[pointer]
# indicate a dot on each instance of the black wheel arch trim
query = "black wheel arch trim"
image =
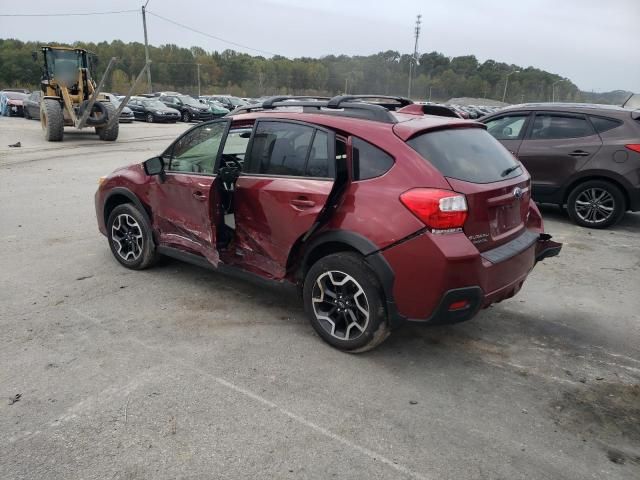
(125, 192)
(373, 258)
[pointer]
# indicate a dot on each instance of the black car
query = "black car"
(189, 107)
(126, 115)
(152, 110)
(31, 105)
(229, 101)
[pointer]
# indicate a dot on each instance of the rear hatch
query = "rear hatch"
(496, 186)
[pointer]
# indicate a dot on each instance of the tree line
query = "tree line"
(436, 76)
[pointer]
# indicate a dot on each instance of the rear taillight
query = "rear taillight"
(440, 210)
(634, 146)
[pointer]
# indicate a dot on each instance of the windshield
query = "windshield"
(63, 65)
(154, 104)
(190, 101)
(467, 154)
(237, 102)
(15, 95)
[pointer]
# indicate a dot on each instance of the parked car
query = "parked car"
(126, 115)
(380, 217)
(31, 105)
(19, 90)
(229, 101)
(586, 157)
(189, 108)
(217, 109)
(152, 110)
(11, 103)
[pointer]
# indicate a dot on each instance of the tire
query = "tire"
(596, 204)
(130, 238)
(357, 292)
(25, 113)
(149, 117)
(186, 117)
(109, 134)
(102, 109)
(52, 120)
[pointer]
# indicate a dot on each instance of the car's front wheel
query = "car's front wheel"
(130, 237)
(596, 204)
(186, 117)
(149, 118)
(344, 302)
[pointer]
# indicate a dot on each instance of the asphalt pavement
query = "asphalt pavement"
(182, 373)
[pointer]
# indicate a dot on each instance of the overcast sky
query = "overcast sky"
(595, 43)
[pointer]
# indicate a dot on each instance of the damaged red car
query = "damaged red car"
(380, 214)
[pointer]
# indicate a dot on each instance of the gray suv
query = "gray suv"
(584, 156)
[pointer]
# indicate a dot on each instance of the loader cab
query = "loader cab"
(63, 64)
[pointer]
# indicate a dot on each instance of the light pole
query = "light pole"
(553, 88)
(146, 45)
(198, 79)
(506, 83)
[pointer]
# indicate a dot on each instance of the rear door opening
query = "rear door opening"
(286, 180)
(496, 186)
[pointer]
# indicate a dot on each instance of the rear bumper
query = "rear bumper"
(634, 199)
(439, 279)
(165, 118)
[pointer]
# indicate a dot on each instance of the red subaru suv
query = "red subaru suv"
(379, 213)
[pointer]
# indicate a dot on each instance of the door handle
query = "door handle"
(579, 153)
(199, 196)
(302, 203)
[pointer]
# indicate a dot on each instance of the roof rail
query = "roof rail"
(337, 101)
(341, 105)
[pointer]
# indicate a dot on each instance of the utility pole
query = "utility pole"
(346, 84)
(506, 83)
(553, 88)
(414, 58)
(146, 45)
(198, 65)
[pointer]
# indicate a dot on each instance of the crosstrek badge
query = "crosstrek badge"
(479, 238)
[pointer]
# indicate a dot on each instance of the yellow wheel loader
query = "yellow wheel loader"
(70, 96)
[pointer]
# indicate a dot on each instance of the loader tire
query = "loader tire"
(109, 134)
(52, 120)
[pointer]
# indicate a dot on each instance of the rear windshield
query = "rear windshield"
(468, 154)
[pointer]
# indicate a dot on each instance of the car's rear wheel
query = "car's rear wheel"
(130, 237)
(344, 302)
(596, 204)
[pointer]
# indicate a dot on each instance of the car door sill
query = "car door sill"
(237, 272)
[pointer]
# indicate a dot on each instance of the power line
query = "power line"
(211, 36)
(64, 14)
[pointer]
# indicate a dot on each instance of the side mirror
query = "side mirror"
(154, 166)
(507, 132)
(34, 55)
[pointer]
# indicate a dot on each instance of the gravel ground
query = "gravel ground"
(182, 373)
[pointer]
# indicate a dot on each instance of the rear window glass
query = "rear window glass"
(368, 161)
(468, 154)
(555, 127)
(602, 124)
